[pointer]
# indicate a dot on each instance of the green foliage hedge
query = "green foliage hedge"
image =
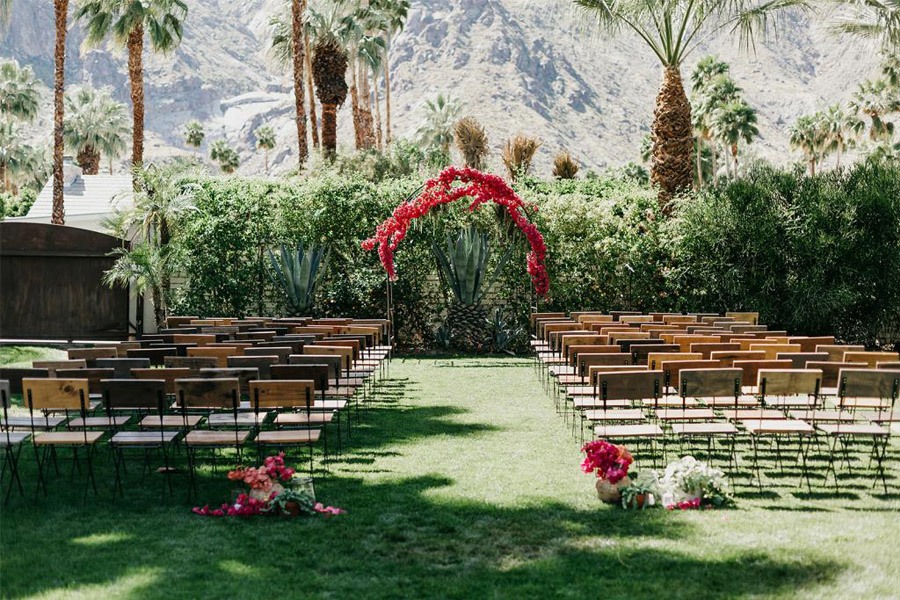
(813, 255)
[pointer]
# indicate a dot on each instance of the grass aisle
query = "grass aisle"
(461, 482)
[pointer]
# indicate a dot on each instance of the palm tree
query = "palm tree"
(371, 49)
(710, 88)
(5, 13)
(732, 123)
(194, 134)
(126, 21)
(97, 125)
(393, 13)
(10, 152)
(20, 91)
(874, 20)
(842, 127)
(61, 12)
(436, 130)
(472, 142)
(281, 52)
(265, 139)
(162, 197)
(672, 30)
(329, 65)
(225, 155)
(809, 136)
(876, 99)
(298, 62)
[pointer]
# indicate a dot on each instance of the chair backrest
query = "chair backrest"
(220, 353)
(53, 366)
(616, 336)
(869, 383)
(687, 340)
(243, 374)
(354, 345)
(134, 394)
(640, 353)
(316, 372)
(281, 348)
(871, 358)
(262, 364)
(534, 317)
(752, 367)
(578, 340)
(92, 375)
(728, 357)
(655, 359)
(15, 375)
(630, 385)
(56, 394)
(334, 362)
(4, 396)
(90, 355)
(671, 368)
(789, 382)
(284, 393)
(345, 353)
(208, 393)
(200, 339)
(122, 366)
(600, 359)
(894, 366)
(194, 363)
(707, 348)
(157, 355)
(746, 317)
(169, 375)
(636, 319)
(772, 349)
(831, 370)
(836, 352)
(799, 359)
(256, 334)
(574, 351)
(809, 344)
(709, 383)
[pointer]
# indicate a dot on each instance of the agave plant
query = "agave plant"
(298, 272)
(464, 268)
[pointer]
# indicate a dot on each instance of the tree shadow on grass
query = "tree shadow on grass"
(400, 538)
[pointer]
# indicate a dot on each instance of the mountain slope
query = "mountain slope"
(518, 65)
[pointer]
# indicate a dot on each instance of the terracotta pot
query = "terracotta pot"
(611, 492)
(639, 500)
(292, 508)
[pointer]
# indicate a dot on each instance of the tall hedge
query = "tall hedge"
(813, 255)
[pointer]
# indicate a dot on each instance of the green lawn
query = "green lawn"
(22, 356)
(461, 482)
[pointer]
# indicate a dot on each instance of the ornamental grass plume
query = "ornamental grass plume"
(518, 154)
(564, 166)
(472, 142)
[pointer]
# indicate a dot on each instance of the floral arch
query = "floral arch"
(482, 188)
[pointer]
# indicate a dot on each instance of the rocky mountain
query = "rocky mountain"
(535, 66)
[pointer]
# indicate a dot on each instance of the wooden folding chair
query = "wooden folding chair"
(286, 394)
(636, 387)
(262, 364)
(879, 385)
(147, 398)
(209, 394)
(67, 396)
(122, 366)
(193, 363)
(713, 387)
(53, 366)
(12, 442)
(220, 353)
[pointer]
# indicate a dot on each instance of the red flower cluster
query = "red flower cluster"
(244, 506)
(692, 504)
(609, 461)
(261, 478)
(481, 187)
(328, 511)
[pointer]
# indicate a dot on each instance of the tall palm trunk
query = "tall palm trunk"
(699, 155)
(379, 138)
(297, 46)
(329, 130)
(387, 99)
(365, 103)
(840, 148)
(89, 160)
(310, 91)
(715, 161)
(354, 106)
(734, 156)
(61, 11)
(671, 169)
(135, 46)
(812, 167)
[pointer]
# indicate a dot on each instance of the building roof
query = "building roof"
(87, 195)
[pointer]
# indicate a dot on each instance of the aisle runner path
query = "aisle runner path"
(475, 411)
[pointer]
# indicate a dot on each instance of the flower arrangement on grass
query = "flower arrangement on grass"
(687, 483)
(482, 188)
(268, 494)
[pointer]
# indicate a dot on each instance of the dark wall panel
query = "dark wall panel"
(51, 284)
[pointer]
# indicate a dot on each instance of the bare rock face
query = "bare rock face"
(517, 65)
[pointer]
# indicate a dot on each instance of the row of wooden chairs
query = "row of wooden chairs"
(690, 385)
